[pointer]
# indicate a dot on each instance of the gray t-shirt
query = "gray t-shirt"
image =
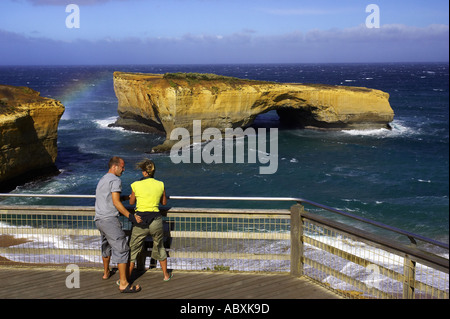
(104, 207)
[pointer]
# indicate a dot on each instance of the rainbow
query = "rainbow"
(81, 89)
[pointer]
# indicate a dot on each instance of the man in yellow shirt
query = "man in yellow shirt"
(148, 193)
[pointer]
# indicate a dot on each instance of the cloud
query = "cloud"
(390, 43)
(392, 32)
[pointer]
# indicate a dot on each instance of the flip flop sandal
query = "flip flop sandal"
(111, 272)
(109, 276)
(130, 289)
(171, 275)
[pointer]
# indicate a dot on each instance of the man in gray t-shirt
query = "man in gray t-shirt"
(108, 205)
(104, 206)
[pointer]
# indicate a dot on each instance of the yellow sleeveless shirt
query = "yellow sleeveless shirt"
(148, 194)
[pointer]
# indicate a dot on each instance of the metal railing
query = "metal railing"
(354, 262)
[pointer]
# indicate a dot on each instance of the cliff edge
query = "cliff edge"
(28, 135)
(156, 102)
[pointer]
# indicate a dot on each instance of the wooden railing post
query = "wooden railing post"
(409, 277)
(296, 240)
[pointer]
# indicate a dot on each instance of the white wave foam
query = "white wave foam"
(398, 129)
(376, 257)
(37, 240)
(104, 123)
(6, 225)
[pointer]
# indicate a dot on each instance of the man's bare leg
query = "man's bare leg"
(106, 270)
(130, 269)
(123, 274)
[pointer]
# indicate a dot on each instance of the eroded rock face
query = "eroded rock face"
(28, 134)
(155, 102)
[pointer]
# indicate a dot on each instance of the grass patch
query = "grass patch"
(197, 78)
(219, 268)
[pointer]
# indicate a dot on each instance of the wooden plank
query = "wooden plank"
(171, 212)
(174, 234)
(18, 231)
(206, 280)
(227, 285)
(285, 288)
(50, 284)
(228, 255)
(264, 285)
(173, 253)
(244, 288)
(230, 235)
(185, 282)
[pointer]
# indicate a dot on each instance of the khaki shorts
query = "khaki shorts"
(138, 234)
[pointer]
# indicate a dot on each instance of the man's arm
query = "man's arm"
(118, 204)
(132, 198)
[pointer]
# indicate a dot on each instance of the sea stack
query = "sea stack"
(157, 102)
(28, 135)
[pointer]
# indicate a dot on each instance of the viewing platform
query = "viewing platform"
(223, 253)
(37, 283)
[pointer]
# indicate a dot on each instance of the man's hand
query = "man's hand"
(135, 219)
(138, 218)
(117, 201)
(118, 204)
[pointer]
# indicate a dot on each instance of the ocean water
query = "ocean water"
(399, 177)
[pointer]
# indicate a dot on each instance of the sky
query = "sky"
(48, 32)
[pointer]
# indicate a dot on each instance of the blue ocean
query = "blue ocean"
(399, 177)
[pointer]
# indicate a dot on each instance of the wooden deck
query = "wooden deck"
(42, 283)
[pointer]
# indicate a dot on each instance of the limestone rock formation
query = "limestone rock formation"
(156, 102)
(28, 134)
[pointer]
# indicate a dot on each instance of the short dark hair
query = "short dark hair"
(115, 160)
